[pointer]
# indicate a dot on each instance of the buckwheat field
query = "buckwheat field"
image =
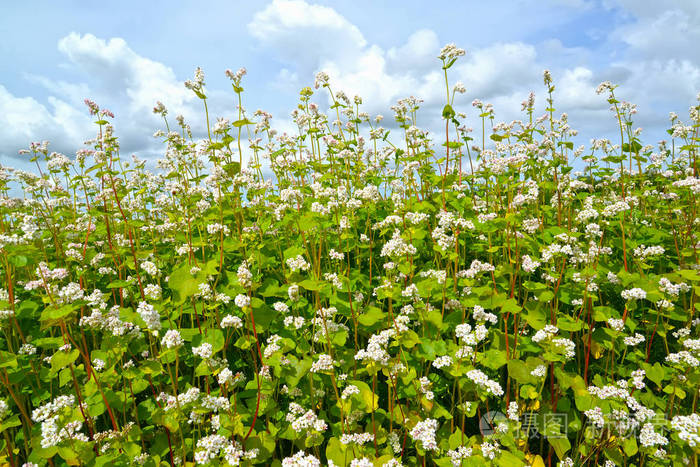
(349, 296)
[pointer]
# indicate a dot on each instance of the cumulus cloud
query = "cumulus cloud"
(649, 50)
(659, 67)
(116, 77)
(303, 33)
(502, 73)
(114, 66)
(659, 30)
(634, 54)
(24, 119)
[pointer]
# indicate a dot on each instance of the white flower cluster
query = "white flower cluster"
(171, 402)
(539, 372)
(216, 228)
(245, 277)
(50, 409)
(439, 276)
(4, 408)
(356, 438)
(616, 324)
(149, 315)
(475, 268)
(294, 321)
(529, 265)
(300, 459)
(648, 437)
(304, 420)
(70, 293)
(225, 377)
(456, 455)
(481, 380)
(683, 357)
(109, 321)
(52, 434)
(425, 385)
(634, 294)
(469, 338)
(615, 208)
(324, 363)
(568, 346)
(638, 379)
(513, 413)
(443, 361)
(298, 264)
(672, 289)
(214, 404)
(490, 450)
(688, 428)
(425, 433)
(241, 300)
(397, 247)
(98, 364)
(376, 348)
(634, 340)
(451, 52)
(481, 315)
(152, 291)
(643, 252)
(172, 339)
(293, 292)
(204, 351)
(336, 255)
(230, 321)
(349, 391)
(150, 268)
(531, 225)
(210, 448)
(595, 415)
(6, 314)
(544, 333)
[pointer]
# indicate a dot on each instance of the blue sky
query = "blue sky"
(55, 54)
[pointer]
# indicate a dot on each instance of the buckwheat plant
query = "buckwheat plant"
(347, 295)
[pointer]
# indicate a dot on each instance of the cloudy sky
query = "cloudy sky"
(55, 54)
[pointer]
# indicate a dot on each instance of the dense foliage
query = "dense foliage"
(350, 298)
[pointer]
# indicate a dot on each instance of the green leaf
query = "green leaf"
(448, 112)
(493, 359)
(19, 260)
(240, 123)
(560, 444)
(371, 316)
(62, 359)
(339, 452)
(507, 459)
(182, 283)
(370, 400)
(52, 315)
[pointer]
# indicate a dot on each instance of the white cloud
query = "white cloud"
(117, 68)
(667, 34)
(651, 53)
(303, 33)
(499, 69)
(24, 119)
(502, 73)
(117, 78)
(417, 54)
(660, 66)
